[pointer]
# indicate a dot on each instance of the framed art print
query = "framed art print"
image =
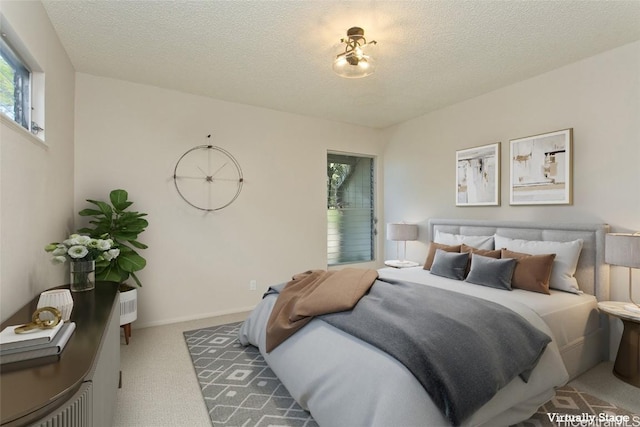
(478, 176)
(541, 169)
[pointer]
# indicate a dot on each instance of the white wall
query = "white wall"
(598, 97)
(36, 181)
(130, 136)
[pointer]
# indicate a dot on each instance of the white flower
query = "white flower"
(58, 259)
(78, 251)
(83, 240)
(111, 254)
(82, 247)
(59, 250)
(104, 245)
(72, 240)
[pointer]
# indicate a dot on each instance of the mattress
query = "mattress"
(570, 317)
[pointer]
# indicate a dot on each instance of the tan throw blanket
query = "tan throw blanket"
(313, 293)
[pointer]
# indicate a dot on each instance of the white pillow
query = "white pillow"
(564, 264)
(478, 242)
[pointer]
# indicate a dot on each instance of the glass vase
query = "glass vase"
(83, 275)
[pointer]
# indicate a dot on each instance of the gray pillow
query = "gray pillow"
(449, 264)
(495, 273)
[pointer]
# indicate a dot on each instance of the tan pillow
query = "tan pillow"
(432, 252)
(532, 272)
(491, 253)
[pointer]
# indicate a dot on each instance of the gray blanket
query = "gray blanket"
(462, 349)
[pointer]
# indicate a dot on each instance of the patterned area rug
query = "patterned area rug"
(569, 401)
(239, 389)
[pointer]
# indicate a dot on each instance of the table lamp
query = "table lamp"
(401, 233)
(624, 250)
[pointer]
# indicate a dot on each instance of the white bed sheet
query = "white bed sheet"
(345, 381)
(570, 317)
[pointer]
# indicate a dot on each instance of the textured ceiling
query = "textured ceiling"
(278, 54)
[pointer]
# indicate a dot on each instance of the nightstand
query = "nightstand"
(627, 366)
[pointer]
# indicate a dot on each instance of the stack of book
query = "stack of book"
(34, 344)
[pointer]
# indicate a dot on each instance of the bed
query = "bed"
(343, 380)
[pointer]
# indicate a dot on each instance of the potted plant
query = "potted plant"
(114, 221)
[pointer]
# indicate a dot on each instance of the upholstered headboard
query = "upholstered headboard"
(592, 272)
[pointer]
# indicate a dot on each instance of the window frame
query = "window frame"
(32, 122)
(372, 212)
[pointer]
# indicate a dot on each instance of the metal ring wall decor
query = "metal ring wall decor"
(208, 178)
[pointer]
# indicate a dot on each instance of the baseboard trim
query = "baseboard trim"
(141, 325)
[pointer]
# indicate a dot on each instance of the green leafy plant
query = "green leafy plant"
(113, 221)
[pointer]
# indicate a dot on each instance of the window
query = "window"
(22, 83)
(350, 209)
(14, 86)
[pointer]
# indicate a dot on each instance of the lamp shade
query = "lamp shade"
(402, 232)
(357, 68)
(622, 249)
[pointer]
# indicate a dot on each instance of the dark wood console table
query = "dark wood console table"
(79, 388)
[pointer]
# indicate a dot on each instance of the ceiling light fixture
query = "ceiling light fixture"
(354, 62)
